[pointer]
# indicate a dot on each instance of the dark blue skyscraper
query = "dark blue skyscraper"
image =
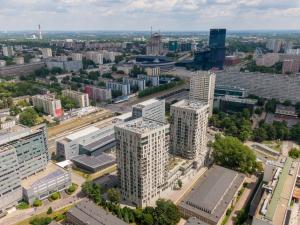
(217, 39)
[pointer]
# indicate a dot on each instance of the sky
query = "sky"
(165, 15)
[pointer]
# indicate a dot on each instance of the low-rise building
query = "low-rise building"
(81, 99)
(43, 184)
(233, 104)
(88, 213)
(286, 110)
(213, 194)
(49, 104)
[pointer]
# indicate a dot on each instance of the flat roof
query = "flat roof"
(195, 221)
(213, 193)
(82, 133)
(146, 103)
(94, 161)
(190, 104)
(141, 125)
(42, 177)
(89, 213)
(14, 133)
(100, 143)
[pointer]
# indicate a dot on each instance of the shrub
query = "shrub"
(55, 196)
(37, 203)
(23, 205)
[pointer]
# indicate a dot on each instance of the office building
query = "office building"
(152, 109)
(88, 213)
(10, 183)
(8, 51)
(42, 184)
(97, 93)
(135, 83)
(189, 121)
(222, 90)
(81, 99)
(173, 46)
(23, 153)
(142, 156)
(115, 86)
(48, 104)
(290, 66)
(214, 193)
(155, 45)
(46, 52)
(96, 57)
(76, 56)
(285, 87)
(231, 104)
(217, 48)
(202, 88)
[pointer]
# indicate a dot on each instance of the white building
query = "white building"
(189, 121)
(8, 51)
(142, 156)
(49, 104)
(46, 52)
(96, 57)
(153, 109)
(76, 56)
(202, 88)
(81, 99)
(2, 63)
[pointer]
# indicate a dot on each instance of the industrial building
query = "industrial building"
(142, 156)
(48, 103)
(81, 99)
(213, 194)
(189, 121)
(153, 109)
(88, 213)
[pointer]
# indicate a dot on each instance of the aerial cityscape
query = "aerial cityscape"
(170, 112)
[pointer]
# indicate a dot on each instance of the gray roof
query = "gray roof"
(195, 221)
(89, 213)
(213, 193)
(100, 143)
(94, 161)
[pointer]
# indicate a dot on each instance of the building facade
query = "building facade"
(81, 99)
(202, 88)
(142, 156)
(46, 52)
(189, 121)
(155, 45)
(97, 93)
(49, 104)
(152, 109)
(115, 86)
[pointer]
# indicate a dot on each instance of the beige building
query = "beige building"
(76, 56)
(49, 104)
(46, 52)
(82, 99)
(19, 60)
(202, 88)
(153, 71)
(189, 120)
(96, 57)
(142, 156)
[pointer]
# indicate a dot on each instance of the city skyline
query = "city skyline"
(168, 15)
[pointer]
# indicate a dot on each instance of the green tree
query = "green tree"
(37, 203)
(179, 183)
(166, 213)
(113, 195)
(40, 221)
(68, 103)
(49, 211)
(56, 70)
(233, 154)
(294, 153)
(29, 117)
(295, 132)
(55, 196)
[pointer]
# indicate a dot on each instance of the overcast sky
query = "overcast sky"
(166, 15)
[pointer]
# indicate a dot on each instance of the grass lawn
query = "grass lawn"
(54, 214)
(276, 145)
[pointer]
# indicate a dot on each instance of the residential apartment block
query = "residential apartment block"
(202, 88)
(142, 156)
(189, 120)
(49, 104)
(46, 52)
(81, 99)
(153, 109)
(115, 86)
(97, 93)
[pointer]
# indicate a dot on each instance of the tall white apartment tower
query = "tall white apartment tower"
(142, 156)
(189, 120)
(153, 109)
(202, 88)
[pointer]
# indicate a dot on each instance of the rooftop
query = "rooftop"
(82, 133)
(92, 214)
(141, 125)
(190, 104)
(146, 103)
(213, 193)
(14, 133)
(94, 162)
(239, 100)
(51, 171)
(195, 221)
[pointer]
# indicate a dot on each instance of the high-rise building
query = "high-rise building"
(96, 57)
(115, 86)
(189, 121)
(8, 51)
(49, 104)
(274, 45)
(81, 99)
(155, 45)
(202, 88)
(76, 56)
(152, 109)
(23, 153)
(142, 156)
(46, 52)
(217, 39)
(97, 93)
(290, 66)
